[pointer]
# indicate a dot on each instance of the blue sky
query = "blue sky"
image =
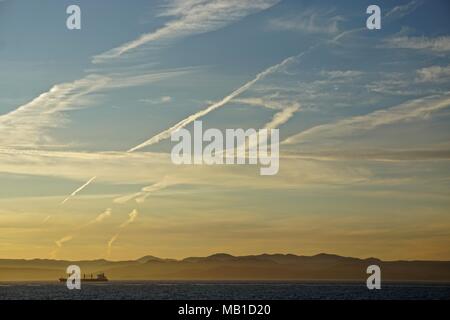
(363, 116)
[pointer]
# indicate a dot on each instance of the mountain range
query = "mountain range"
(223, 266)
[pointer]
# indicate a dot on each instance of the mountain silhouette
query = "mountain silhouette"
(222, 266)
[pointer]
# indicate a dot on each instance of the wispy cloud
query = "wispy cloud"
(59, 243)
(340, 74)
(282, 117)
(191, 17)
(131, 217)
(286, 109)
(404, 10)
(161, 100)
(308, 21)
(181, 124)
(410, 110)
(110, 169)
(64, 239)
(111, 242)
(78, 190)
(24, 124)
(194, 17)
(382, 155)
(102, 216)
(145, 192)
(434, 74)
(435, 45)
(27, 124)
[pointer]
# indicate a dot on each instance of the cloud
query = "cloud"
(111, 242)
(435, 45)
(181, 124)
(286, 109)
(385, 155)
(59, 243)
(102, 216)
(194, 16)
(161, 100)
(403, 10)
(295, 171)
(433, 74)
(25, 126)
(394, 84)
(78, 190)
(80, 165)
(341, 74)
(131, 217)
(191, 17)
(309, 21)
(145, 192)
(410, 110)
(64, 239)
(166, 99)
(411, 82)
(166, 133)
(282, 117)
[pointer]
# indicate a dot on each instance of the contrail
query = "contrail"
(111, 242)
(166, 133)
(131, 217)
(190, 18)
(406, 111)
(79, 189)
(145, 192)
(59, 243)
(101, 217)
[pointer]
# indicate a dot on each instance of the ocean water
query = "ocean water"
(182, 290)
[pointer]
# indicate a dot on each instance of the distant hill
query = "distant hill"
(227, 267)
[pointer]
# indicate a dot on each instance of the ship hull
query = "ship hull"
(84, 280)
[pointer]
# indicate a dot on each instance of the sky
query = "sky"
(86, 117)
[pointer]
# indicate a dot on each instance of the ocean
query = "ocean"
(222, 290)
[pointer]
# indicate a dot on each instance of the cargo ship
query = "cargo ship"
(99, 278)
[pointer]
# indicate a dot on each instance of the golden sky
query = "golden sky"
(86, 118)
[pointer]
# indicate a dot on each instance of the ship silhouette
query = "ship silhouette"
(99, 278)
